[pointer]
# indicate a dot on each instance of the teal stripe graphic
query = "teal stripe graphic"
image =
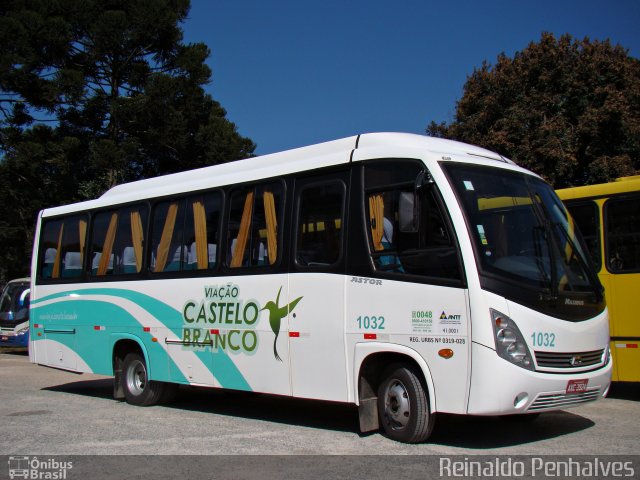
(97, 353)
(218, 362)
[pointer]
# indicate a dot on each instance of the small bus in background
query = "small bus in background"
(608, 216)
(14, 313)
(404, 274)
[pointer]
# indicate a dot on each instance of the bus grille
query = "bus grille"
(9, 323)
(569, 360)
(562, 400)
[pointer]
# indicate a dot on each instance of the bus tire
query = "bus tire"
(138, 389)
(403, 405)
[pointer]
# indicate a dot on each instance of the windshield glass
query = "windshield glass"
(524, 237)
(14, 303)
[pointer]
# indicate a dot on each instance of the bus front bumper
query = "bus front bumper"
(10, 339)
(501, 388)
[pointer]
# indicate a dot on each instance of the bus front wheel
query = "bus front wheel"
(403, 405)
(138, 389)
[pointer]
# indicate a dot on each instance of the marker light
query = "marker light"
(510, 343)
(446, 353)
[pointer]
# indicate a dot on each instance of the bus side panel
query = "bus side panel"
(74, 329)
(228, 332)
(625, 345)
(316, 336)
(33, 357)
(425, 318)
(201, 331)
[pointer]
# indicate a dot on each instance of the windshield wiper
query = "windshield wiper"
(538, 239)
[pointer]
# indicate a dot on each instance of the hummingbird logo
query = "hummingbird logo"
(276, 314)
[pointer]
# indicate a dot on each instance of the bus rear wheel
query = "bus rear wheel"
(403, 405)
(138, 389)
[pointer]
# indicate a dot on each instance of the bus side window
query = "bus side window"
(63, 245)
(622, 220)
(117, 241)
(320, 220)
(201, 231)
(167, 250)
(185, 233)
(430, 250)
(254, 218)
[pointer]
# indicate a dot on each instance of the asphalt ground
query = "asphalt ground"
(50, 412)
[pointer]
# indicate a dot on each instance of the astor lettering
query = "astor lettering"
(370, 281)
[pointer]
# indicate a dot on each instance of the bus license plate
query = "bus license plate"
(4, 339)
(577, 386)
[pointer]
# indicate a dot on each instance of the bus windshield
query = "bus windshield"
(524, 237)
(14, 303)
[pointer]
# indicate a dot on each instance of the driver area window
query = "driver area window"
(426, 247)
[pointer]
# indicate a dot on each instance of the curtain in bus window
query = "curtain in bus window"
(82, 227)
(376, 215)
(243, 233)
(137, 237)
(56, 263)
(200, 227)
(270, 217)
(107, 249)
(165, 239)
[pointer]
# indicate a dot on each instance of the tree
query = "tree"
(566, 109)
(95, 93)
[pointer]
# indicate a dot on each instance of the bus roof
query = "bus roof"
(618, 186)
(277, 164)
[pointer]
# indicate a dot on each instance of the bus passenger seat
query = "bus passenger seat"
(129, 264)
(72, 264)
(192, 262)
(49, 259)
(212, 249)
(181, 254)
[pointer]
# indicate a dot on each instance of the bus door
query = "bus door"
(622, 247)
(315, 303)
(412, 301)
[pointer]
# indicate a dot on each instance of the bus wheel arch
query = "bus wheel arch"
(377, 370)
(121, 349)
(132, 379)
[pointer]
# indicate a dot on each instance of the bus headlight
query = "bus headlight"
(607, 355)
(510, 343)
(22, 331)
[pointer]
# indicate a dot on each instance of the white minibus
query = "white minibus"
(405, 274)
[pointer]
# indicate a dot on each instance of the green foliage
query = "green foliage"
(95, 93)
(566, 109)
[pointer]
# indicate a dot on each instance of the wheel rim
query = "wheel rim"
(397, 407)
(136, 377)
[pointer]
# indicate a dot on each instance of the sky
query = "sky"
(296, 73)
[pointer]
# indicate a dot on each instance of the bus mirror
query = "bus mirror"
(408, 213)
(423, 179)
